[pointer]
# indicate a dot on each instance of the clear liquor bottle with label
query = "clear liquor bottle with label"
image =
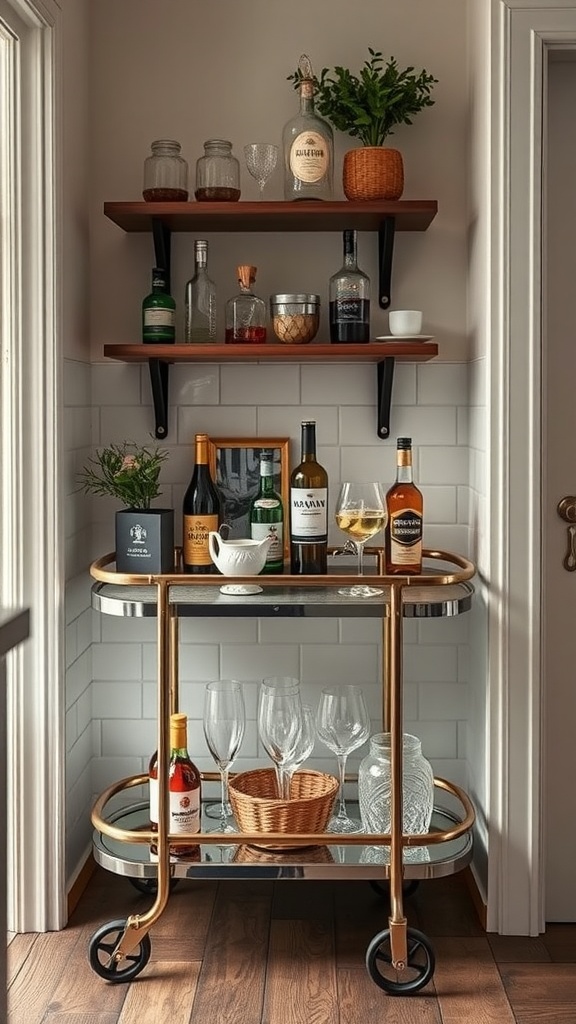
(201, 513)
(405, 506)
(184, 790)
(308, 145)
(159, 312)
(308, 510)
(267, 515)
(349, 292)
(245, 312)
(200, 300)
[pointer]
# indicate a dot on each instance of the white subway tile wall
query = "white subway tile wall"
(430, 403)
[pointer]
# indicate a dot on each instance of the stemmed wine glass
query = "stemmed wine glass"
(224, 722)
(343, 724)
(305, 743)
(280, 725)
(261, 159)
(361, 513)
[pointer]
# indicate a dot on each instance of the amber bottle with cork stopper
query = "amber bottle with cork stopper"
(184, 790)
(405, 507)
(245, 312)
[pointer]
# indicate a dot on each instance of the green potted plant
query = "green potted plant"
(367, 107)
(130, 473)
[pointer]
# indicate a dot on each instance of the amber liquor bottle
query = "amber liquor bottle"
(405, 507)
(184, 790)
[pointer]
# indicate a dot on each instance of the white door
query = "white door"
(559, 480)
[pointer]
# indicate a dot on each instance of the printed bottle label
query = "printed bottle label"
(195, 539)
(185, 812)
(347, 310)
(159, 316)
(153, 796)
(308, 515)
(405, 537)
(309, 157)
(259, 531)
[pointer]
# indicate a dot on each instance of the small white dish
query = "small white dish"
(404, 337)
(240, 589)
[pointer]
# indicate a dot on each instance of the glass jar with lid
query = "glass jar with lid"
(375, 786)
(165, 173)
(217, 173)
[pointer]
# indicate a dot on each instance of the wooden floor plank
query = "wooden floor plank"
(444, 907)
(93, 1017)
(560, 941)
(518, 949)
(360, 1000)
(468, 984)
(292, 900)
(234, 968)
(17, 953)
(165, 993)
(33, 986)
(301, 979)
(543, 992)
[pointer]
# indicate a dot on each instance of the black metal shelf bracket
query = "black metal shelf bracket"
(385, 377)
(159, 368)
(385, 252)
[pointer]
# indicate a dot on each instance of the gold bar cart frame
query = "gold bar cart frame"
(138, 925)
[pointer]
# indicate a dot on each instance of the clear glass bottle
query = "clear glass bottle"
(165, 174)
(245, 312)
(375, 786)
(200, 300)
(158, 312)
(349, 293)
(267, 514)
(405, 507)
(217, 173)
(308, 145)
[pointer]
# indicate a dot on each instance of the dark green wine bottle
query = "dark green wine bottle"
(159, 312)
(267, 515)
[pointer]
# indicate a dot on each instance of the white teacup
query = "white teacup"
(405, 323)
(238, 557)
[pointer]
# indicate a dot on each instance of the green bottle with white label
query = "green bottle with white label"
(267, 515)
(159, 312)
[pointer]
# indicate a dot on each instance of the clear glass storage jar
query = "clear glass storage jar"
(375, 786)
(217, 173)
(165, 173)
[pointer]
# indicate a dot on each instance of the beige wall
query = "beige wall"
(192, 71)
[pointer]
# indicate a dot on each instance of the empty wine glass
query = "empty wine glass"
(261, 159)
(361, 513)
(343, 724)
(305, 743)
(224, 722)
(280, 724)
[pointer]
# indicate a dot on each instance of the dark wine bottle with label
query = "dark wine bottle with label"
(159, 312)
(201, 513)
(349, 291)
(308, 510)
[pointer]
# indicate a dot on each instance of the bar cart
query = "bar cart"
(399, 959)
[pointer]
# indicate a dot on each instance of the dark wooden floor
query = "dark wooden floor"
(289, 953)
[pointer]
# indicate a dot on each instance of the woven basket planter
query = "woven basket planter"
(373, 172)
(257, 809)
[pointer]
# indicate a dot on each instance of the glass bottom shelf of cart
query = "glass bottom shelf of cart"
(320, 862)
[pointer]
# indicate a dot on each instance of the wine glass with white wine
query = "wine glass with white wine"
(361, 513)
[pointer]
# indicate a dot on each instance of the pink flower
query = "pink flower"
(129, 462)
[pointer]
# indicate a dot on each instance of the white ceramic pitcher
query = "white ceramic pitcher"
(238, 557)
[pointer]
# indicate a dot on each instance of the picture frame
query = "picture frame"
(235, 469)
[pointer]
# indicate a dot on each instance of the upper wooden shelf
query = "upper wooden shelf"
(372, 352)
(409, 215)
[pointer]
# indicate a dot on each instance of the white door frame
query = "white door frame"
(32, 511)
(521, 32)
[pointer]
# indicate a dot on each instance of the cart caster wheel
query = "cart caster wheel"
(149, 886)
(419, 968)
(383, 888)
(102, 945)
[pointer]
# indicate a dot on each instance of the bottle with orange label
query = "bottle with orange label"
(405, 507)
(184, 790)
(201, 513)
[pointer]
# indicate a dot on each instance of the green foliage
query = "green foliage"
(125, 471)
(369, 105)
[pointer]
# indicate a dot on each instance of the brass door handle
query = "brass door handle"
(566, 509)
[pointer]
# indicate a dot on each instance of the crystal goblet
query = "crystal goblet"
(261, 159)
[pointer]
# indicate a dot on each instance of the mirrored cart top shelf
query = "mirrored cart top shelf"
(371, 352)
(409, 215)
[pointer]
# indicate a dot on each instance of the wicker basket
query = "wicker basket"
(284, 858)
(373, 172)
(257, 809)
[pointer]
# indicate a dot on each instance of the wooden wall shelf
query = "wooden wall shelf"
(373, 352)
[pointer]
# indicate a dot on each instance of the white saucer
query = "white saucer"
(404, 337)
(240, 589)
